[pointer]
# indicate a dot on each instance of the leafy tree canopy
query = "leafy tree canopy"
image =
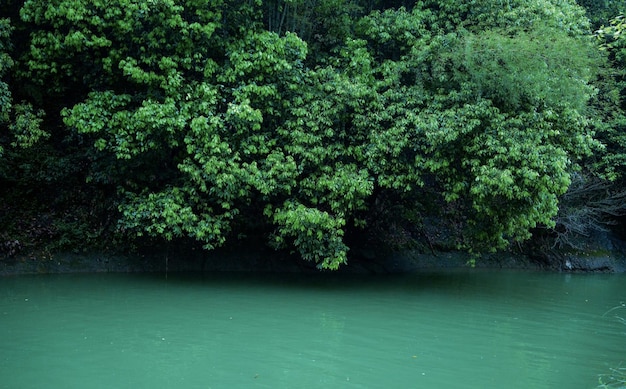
(20, 123)
(209, 116)
(610, 103)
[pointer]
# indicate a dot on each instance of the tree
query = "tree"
(5, 63)
(21, 120)
(206, 121)
(610, 105)
(484, 111)
(595, 200)
(600, 12)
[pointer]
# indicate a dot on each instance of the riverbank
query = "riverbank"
(606, 255)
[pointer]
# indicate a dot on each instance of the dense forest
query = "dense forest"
(311, 126)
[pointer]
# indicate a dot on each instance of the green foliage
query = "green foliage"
(610, 104)
(26, 127)
(491, 116)
(95, 44)
(6, 62)
(170, 214)
(207, 145)
(513, 16)
(315, 234)
(324, 24)
(23, 122)
(611, 37)
(288, 115)
(601, 11)
(515, 72)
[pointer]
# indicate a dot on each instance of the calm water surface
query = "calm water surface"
(465, 329)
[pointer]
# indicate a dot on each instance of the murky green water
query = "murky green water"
(468, 329)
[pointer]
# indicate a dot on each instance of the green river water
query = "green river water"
(461, 329)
